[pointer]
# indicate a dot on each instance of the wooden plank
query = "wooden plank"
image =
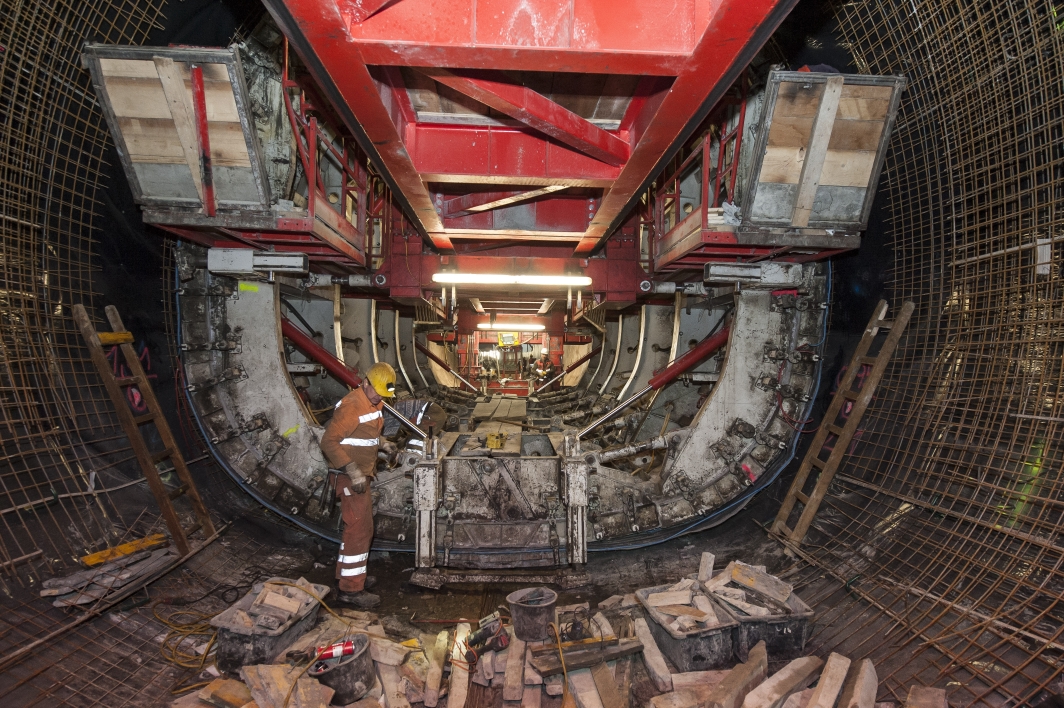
(768, 585)
(655, 662)
(848, 168)
(437, 654)
(608, 690)
(856, 135)
(815, 153)
(705, 567)
(790, 131)
(226, 693)
(134, 68)
(862, 683)
(387, 652)
(721, 579)
(514, 683)
(791, 678)
(831, 680)
(179, 101)
(582, 687)
(136, 97)
(782, 165)
(703, 603)
(458, 687)
(691, 679)
(681, 611)
(863, 109)
(532, 697)
(228, 147)
(394, 695)
(152, 140)
(882, 93)
(269, 684)
(532, 677)
(796, 98)
(549, 665)
(678, 597)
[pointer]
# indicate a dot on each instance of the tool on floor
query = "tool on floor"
(491, 636)
(131, 423)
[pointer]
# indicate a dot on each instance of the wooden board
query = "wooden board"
(768, 585)
(655, 662)
(813, 165)
(678, 597)
(549, 665)
(681, 611)
(582, 688)
(513, 687)
(608, 691)
(459, 684)
(394, 695)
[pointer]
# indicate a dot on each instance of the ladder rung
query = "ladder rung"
(885, 324)
(782, 529)
(850, 394)
(162, 455)
(802, 497)
(127, 380)
(142, 419)
(817, 462)
(193, 529)
(834, 430)
(869, 360)
(175, 493)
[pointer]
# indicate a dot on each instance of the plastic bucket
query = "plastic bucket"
(532, 611)
(350, 676)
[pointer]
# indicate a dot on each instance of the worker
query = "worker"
(351, 440)
(544, 366)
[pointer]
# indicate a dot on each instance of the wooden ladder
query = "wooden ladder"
(131, 424)
(860, 399)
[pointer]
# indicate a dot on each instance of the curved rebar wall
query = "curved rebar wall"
(943, 531)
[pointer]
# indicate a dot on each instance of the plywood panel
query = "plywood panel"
(856, 135)
(152, 140)
(136, 68)
(882, 93)
(228, 146)
(848, 168)
(782, 165)
(862, 109)
(137, 97)
(790, 131)
(796, 100)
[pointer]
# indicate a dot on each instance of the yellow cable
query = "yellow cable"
(567, 700)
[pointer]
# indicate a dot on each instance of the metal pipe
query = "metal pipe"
(638, 350)
(616, 353)
(685, 363)
(413, 343)
(399, 354)
(444, 364)
(571, 367)
(659, 443)
(373, 329)
(335, 367)
(670, 288)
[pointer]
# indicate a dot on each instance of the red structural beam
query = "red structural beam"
(735, 33)
(537, 112)
(199, 108)
(487, 201)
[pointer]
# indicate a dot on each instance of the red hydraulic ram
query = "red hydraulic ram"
(673, 371)
(334, 366)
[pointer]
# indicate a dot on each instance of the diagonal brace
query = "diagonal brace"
(538, 112)
(488, 201)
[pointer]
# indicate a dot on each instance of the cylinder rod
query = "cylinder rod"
(336, 367)
(679, 367)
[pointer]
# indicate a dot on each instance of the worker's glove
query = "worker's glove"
(388, 447)
(359, 481)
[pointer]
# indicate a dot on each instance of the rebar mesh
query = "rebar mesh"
(941, 536)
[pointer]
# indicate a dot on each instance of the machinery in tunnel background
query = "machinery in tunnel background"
(950, 458)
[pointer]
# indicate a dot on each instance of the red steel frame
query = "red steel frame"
(689, 53)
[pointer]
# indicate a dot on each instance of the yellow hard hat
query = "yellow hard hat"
(382, 378)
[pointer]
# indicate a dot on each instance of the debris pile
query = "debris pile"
(88, 586)
(277, 652)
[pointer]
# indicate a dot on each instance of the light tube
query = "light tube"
(575, 281)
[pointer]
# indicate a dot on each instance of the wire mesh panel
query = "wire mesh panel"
(941, 537)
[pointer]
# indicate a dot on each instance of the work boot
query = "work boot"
(362, 600)
(371, 580)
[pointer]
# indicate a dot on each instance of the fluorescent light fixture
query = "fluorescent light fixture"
(573, 281)
(512, 326)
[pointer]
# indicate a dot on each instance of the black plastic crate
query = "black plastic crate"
(784, 635)
(697, 650)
